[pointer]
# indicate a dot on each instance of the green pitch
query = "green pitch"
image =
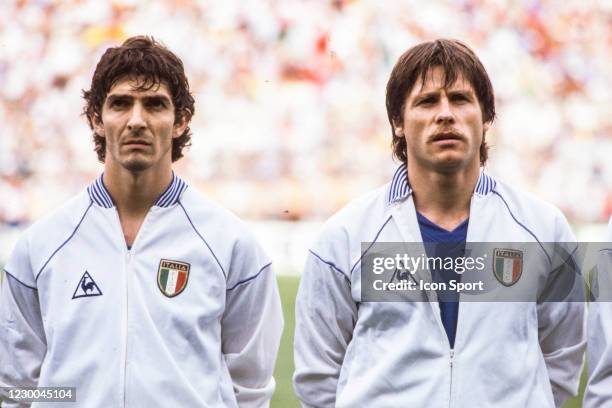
(284, 396)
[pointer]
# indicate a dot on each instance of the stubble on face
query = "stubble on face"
(137, 162)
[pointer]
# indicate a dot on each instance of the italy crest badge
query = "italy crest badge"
(172, 277)
(507, 265)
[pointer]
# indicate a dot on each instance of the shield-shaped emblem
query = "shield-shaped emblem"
(172, 277)
(507, 265)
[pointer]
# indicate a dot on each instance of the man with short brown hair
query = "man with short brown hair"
(354, 349)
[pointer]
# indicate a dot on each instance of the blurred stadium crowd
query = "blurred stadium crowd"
(290, 119)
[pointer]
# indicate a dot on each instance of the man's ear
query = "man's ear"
(180, 125)
(398, 129)
(486, 126)
(98, 126)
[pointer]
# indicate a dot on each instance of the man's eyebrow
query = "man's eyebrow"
(162, 98)
(463, 91)
(114, 97)
(425, 95)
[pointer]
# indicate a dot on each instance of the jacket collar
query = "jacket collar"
(99, 194)
(400, 189)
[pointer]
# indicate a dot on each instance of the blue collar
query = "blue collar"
(400, 189)
(99, 194)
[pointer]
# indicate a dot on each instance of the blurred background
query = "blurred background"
(290, 119)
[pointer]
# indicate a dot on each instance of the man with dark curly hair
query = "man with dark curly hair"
(139, 292)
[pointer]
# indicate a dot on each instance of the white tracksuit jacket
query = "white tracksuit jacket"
(190, 316)
(350, 353)
(598, 392)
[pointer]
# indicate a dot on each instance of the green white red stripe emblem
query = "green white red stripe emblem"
(507, 265)
(172, 277)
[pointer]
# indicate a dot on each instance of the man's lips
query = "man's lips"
(136, 143)
(446, 137)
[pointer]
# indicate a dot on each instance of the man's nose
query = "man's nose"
(136, 121)
(444, 115)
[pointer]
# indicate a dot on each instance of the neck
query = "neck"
(134, 193)
(443, 197)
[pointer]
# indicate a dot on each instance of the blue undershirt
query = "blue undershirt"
(448, 300)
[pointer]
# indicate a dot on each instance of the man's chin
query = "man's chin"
(450, 163)
(136, 166)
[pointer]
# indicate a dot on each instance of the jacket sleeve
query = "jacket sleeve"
(22, 337)
(251, 327)
(325, 318)
(562, 340)
(562, 319)
(598, 391)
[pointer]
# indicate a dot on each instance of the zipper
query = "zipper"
(451, 351)
(129, 255)
(128, 262)
(450, 388)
